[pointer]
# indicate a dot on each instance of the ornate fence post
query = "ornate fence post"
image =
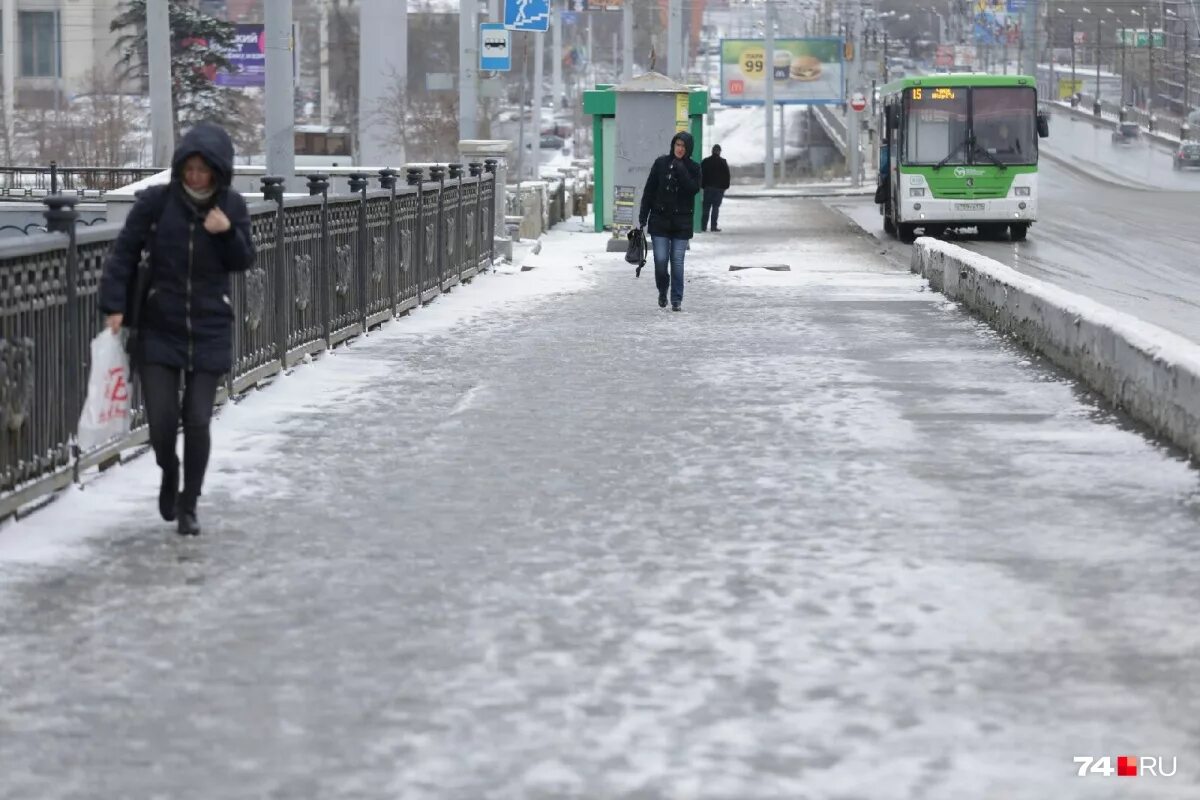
(60, 218)
(387, 180)
(456, 172)
(437, 174)
(414, 175)
(358, 186)
(476, 169)
(272, 189)
(318, 184)
(491, 165)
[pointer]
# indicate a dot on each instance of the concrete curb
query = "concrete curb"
(1150, 373)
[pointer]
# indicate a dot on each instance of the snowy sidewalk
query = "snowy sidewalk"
(818, 536)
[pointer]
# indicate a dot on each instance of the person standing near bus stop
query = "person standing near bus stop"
(715, 171)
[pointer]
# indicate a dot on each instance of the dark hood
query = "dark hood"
(213, 144)
(688, 143)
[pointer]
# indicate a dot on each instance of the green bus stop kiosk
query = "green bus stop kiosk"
(632, 124)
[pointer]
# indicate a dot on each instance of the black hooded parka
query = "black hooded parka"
(669, 199)
(187, 319)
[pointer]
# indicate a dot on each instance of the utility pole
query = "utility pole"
(674, 40)
(326, 92)
(1187, 70)
(556, 48)
(854, 119)
(627, 41)
(521, 114)
(281, 118)
(1073, 84)
(158, 45)
(769, 96)
(1150, 51)
(1099, 28)
(10, 71)
(539, 72)
(382, 64)
(468, 69)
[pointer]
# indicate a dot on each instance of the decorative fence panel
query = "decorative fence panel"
(324, 265)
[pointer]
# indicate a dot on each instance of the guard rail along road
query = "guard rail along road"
(329, 267)
(1150, 373)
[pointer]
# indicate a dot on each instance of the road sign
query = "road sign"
(858, 101)
(527, 15)
(495, 50)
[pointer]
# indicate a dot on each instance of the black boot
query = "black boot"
(187, 525)
(168, 493)
(662, 299)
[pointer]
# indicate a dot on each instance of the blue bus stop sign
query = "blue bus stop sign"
(527, 15)
(495, 47)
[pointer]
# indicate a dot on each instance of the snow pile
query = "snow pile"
(742, 134)
(1149, 372)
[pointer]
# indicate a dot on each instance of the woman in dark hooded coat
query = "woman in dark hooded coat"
(196, 230)
(669, 205)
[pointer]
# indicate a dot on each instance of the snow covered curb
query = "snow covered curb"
(1150, 373)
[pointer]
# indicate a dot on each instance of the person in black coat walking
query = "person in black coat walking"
(196, 230)
(715, 172)
(668, 204)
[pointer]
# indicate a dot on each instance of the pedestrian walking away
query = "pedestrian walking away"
(715, 172)
(668, 206)
(195, 231)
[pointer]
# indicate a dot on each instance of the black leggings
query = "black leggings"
(160, 386)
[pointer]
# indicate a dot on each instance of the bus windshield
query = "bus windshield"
(938, 123)
(1005, 123)
(979, 125)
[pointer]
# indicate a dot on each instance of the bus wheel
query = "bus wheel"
(906, 233)
(1019, 231)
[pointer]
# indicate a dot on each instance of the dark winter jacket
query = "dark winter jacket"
(716, 173)
(668, 201)
(187, 319)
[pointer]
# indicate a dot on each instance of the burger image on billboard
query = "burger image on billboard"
(783, 60)
(805, 68)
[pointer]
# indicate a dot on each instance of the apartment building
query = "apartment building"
(55, 47)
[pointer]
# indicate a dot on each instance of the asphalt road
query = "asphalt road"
(1133, 249)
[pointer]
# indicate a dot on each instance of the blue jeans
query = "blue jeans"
(712, 207)
(672, 250)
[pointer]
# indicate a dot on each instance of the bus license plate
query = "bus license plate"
(970, 206)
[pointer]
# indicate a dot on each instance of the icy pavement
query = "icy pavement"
(819, 536)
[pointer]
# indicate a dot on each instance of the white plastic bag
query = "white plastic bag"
(106, 411)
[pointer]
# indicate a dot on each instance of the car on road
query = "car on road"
(1188, 155)
(1126, 133)
(551, 142)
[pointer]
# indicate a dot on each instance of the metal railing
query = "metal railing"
(329, 267)
(37, 182)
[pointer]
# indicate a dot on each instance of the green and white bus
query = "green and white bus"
(959, 151)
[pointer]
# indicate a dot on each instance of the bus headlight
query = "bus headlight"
(915, 192)
(1021, 191)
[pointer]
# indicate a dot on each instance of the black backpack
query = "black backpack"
(636, 253)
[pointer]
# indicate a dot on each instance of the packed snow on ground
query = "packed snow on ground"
(245, 434)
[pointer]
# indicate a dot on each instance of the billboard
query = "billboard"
(248, 56)
(805, 71)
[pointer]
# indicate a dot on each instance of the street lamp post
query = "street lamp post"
(1074, 92)
(1099, 38)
